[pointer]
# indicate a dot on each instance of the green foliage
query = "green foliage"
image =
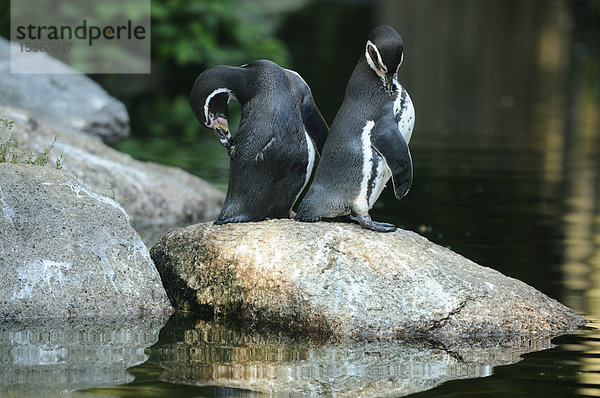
(111, 186)
(7, 123)
(211, 32)
(7, 150)
(11, 153)
(58, 162)
(42, 158)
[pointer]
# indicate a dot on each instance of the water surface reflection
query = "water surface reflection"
(43, 357)
(199, 353)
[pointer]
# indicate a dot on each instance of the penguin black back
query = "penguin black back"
(273, 152)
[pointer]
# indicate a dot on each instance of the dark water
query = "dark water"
(506, 151)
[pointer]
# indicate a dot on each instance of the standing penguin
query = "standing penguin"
(368, 140)
(274, 150)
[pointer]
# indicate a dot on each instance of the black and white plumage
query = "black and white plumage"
(368, 140)
(273, 153)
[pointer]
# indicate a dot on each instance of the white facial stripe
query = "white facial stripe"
(397, 68)
(379, 60)
(210, 97)
(372, 63)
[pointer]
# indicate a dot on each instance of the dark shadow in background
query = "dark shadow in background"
(506, 94)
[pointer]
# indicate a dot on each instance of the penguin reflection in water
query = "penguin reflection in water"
(274, 150)
(368, 140)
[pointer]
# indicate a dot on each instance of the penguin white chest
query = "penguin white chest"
(379, 179)
(404, 112)
(375, 173)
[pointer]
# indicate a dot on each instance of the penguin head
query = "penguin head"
(210, 104)
(216, 106)
(384, 53)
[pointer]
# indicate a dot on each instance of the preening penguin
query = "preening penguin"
(368, 140)
(273, 153)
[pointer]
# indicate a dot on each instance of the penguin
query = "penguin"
(281, 133)
(368, 139)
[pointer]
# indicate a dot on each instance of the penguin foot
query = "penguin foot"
(365, 221)
(381, 226)
(302, 218)
(292, 214)
(235, 219)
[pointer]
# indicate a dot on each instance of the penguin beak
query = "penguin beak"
(223, 135)
(221, 130)
(389, 83)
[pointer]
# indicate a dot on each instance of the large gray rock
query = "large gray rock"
(153, 195)
(66, 251)
(342, 280)
(64, 99)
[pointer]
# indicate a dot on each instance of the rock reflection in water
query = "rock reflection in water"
(42, 356)
(200, 353)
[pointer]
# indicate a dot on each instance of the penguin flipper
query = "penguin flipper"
(313, 121)
(389, 143)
